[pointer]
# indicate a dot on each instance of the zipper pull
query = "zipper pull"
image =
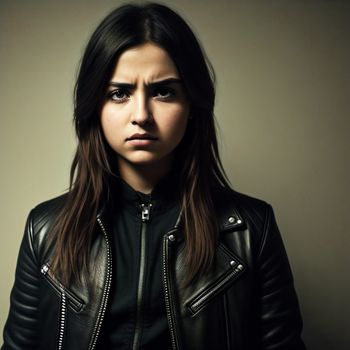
(44, 269)
(145, 212)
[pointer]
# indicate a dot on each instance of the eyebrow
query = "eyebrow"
(154, 84)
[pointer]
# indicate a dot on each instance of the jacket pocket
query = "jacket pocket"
(74, 301)
(228, 269)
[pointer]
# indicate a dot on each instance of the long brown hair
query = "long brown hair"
(93, 169)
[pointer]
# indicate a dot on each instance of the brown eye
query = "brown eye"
(119, 95)
(164, 93)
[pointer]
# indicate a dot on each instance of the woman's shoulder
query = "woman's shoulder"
(44, 214)
(45, 210)
(39, 223)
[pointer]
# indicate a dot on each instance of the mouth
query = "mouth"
(141, 141)
(144, 136)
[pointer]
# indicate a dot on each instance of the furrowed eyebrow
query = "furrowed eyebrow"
(155, 84)
(165, 82)
(121, 85)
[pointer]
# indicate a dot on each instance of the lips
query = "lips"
(144, 136)
(141, 141)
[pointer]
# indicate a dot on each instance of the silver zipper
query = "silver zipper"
(75, 302)
(63, 305)
(145, 217)
(145, 212)
(106, 290)
(167, 294)
(195, 306)
(62, 320)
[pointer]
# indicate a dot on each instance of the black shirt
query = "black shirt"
(136, 317)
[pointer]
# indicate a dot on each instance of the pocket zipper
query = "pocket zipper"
(203, 299)
(74, 301)
(236, 268)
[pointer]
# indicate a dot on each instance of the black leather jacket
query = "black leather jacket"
(247, 301)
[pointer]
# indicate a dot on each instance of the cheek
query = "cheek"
(106, 126)
(109, 124)
(107, 113)
(176, 120)
(178, 123)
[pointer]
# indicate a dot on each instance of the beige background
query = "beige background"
(283, 72)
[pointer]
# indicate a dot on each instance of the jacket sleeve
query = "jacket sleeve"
(281, 321)
(21, 330)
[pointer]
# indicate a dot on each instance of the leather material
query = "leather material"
(247, 300)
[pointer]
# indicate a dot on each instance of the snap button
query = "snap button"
(231, 219)
(232, 262)
(239, 221)
(171, 238)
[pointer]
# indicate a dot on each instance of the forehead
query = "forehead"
(147, 61)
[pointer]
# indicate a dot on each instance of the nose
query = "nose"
(142, 112)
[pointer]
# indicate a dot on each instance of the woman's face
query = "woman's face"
(145, 114)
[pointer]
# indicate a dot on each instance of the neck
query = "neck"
(143, 177)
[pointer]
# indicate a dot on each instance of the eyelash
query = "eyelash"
(113, 93)
(161, 93)
(169, 93)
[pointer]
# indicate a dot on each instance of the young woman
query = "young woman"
(150, 248)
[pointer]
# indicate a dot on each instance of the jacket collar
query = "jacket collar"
(229, 217)
(227, 210)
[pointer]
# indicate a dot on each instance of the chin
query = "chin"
(144, 160)
(148, 159)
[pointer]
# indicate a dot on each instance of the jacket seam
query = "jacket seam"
(265, 229)
(227, 322)
(31, 236)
